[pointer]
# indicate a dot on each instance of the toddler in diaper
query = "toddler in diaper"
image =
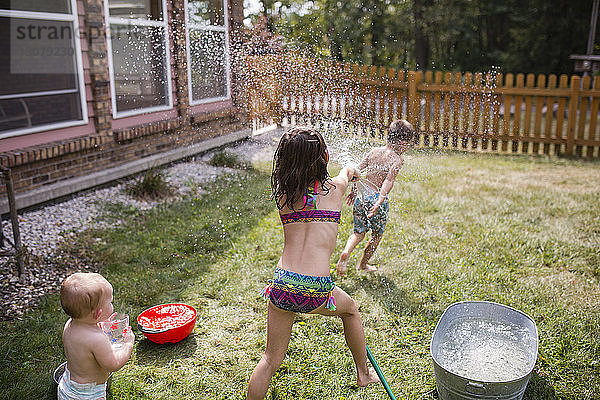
(87, 299)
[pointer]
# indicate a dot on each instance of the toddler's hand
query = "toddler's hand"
(128, 334)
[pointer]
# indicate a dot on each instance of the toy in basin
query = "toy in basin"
(167, 323)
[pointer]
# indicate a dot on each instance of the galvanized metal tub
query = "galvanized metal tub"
(451, 386)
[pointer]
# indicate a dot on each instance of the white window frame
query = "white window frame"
(224, 28)
(73, 17)
(138, 22)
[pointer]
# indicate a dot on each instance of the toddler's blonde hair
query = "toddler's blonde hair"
(81, 293)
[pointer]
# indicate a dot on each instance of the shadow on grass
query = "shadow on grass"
(540, 389)
(385, 291)
(149, 353)
(430, 395)
(150, 259)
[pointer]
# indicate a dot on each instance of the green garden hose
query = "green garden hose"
(380, 374)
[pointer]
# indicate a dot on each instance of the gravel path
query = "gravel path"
(44, 230)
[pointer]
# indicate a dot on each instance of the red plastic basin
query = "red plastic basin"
(167, 323)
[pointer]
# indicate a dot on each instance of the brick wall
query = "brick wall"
(35, 167)
(49, 163)
(98, 65)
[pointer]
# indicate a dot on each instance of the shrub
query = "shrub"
(226, 159)
(151, 185)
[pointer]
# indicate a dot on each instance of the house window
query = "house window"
(41, 75)
(138, 56)
(208, 51)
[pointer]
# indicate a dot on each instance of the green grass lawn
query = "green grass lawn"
(522, 231)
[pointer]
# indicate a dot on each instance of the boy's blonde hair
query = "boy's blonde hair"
(82, 292)
(400, 131)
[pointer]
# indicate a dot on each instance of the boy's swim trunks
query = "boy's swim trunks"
(71, 390)
(362, 206)
(295, 292)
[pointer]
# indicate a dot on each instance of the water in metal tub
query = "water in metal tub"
(485, 350)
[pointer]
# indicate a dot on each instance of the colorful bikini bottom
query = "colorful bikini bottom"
(295, 292)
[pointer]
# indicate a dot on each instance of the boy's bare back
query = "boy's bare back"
(381, 163)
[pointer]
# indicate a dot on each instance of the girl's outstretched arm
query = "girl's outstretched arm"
(349, 174)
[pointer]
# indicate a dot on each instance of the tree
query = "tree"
(468, 35)
(422, 50)
(260, 40)
(552, 31)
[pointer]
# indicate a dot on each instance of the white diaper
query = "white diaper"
(71, 390)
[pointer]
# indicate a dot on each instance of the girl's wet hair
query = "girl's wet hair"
(300, 160)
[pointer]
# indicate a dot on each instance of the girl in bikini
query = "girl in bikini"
(309, 203)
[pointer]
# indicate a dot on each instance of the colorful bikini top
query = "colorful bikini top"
(314, 215)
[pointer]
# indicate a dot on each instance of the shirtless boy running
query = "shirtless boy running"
(379, 169)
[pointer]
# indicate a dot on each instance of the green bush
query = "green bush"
(151, 185)
(226, 159)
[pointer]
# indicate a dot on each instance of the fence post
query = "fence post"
(14, 219)
(572, 115)
(411, 100)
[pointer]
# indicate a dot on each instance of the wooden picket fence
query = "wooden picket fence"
(490, 112)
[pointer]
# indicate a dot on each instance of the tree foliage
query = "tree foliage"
(468, 35)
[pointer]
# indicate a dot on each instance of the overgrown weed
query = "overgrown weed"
(227, 159)
(151, 185)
